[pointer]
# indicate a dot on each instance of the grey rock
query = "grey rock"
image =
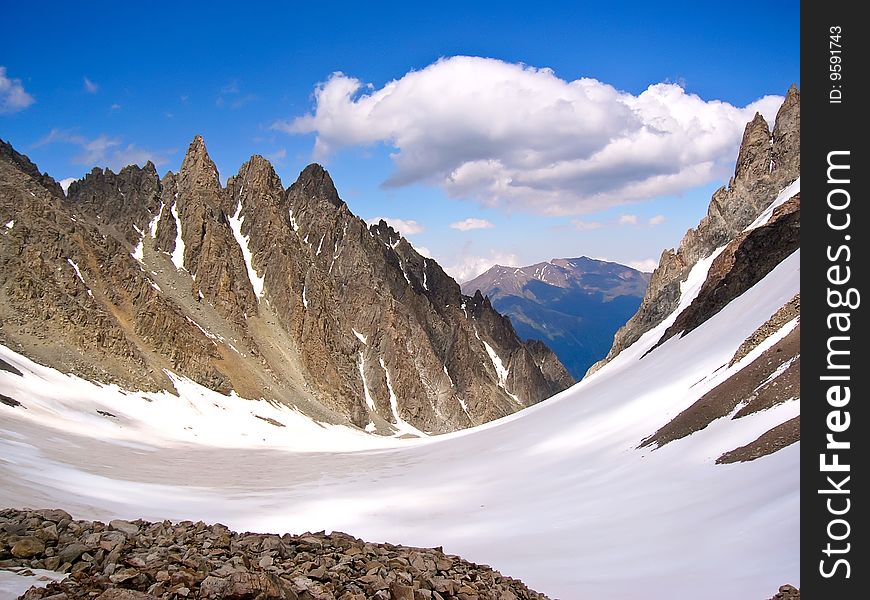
(124, 526)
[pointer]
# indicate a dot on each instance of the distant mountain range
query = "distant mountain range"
(575, 305)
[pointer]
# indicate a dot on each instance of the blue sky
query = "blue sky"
(499, 132)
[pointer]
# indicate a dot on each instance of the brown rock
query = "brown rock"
(28, 547)
(124, 594)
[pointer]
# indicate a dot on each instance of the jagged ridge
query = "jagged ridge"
(273, 293)
(767, 162)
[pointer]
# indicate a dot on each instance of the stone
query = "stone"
(54, 515)
(401, 592)
(72, 552)
(185, 567)
(125, 526)
(123, 594)
(28, 547)
(122, 575)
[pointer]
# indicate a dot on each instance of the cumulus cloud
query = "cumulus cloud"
(13, 96)
(65, 183)
(472, 223)
(627, 220)
(470, 266)
(404, 226)
(647, 265)
(103, 151)
(519, 137)
(91, 87)
(656, 220)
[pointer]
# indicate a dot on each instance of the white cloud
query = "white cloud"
(115, 106)
(472, 223)
(13, 96)
(277, 156)
(91, 87)
(656, 220)
(404, 226)
(423, 251)
(103, 151)
(586, 225)
(469, 266)
(647, 265)
(519, 137)
(65, 183)
(627, 220)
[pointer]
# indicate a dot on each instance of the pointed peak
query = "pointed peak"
(197, 147)
(790, 105)
(197, 161)
(758, 121)
(316, 183)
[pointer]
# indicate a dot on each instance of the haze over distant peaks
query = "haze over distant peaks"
(574, 304)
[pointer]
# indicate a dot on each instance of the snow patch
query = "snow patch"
(76, 269)
(178, 251)
(402, 426)
(242, 240)
(359, 336)
(10, 224)
(370, 402)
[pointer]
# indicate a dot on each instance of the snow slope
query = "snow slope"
(557, 495)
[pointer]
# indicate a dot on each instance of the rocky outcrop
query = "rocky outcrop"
(271, 293)
(787, 592)
(771, 379)
(743, 263)
(140, 560)
(124, 202)
(790, 310)
(766, 164)
(776, 438)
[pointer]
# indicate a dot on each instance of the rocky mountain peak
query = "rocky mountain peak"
(753, 158)
(122, 202)
(766, 164)
(787, 133)
(24, 163)
(384, 232)
(198, 172)
(315, 183)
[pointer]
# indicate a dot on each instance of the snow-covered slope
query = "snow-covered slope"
(557, 495)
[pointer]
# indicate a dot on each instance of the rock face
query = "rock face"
(574, 304)
(151, 561)
(766, 163)
(270, 293)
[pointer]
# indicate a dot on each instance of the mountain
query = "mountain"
(674, 458)
(574, 304)
(255, 290)
(768, 161)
